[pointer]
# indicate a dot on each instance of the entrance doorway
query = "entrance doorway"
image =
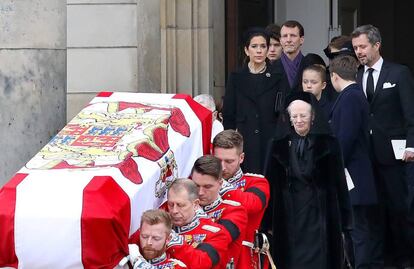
(391, 17)
(240, 15)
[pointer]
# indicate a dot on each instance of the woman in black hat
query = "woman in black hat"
(309, 205)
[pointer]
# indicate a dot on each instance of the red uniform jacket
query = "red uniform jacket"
(253, 192)
(233, 217)
(200, 244)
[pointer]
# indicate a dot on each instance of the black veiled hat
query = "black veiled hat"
(304, 96)
(320, 123)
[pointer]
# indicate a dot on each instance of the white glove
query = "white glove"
(134, 253)
(133, 257)
(136, 258)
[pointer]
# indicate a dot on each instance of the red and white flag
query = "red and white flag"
(76, 202)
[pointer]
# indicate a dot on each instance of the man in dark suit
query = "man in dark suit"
(389, 88)
(292, 61)
(292, 36)
(349, 122)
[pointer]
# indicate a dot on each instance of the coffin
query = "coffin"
(76, 202)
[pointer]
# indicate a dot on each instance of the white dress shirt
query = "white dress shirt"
(375, 74)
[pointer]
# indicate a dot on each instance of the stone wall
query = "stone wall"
(32, 79)
(164, 46)
(101, 49)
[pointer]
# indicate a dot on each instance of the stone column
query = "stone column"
(32, 79)
(186, 46)
(219, 51)
(148, 46)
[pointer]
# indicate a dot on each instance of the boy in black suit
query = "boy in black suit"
(349, 122)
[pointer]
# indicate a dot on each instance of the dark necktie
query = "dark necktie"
(370, 85)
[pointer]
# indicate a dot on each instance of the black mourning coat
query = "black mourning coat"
(328, 180)
(252, 104)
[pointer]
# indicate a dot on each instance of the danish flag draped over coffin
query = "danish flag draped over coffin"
(76, 202)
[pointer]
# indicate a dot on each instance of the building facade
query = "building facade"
(56, 55)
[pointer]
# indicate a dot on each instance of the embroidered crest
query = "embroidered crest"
(194, 239)
(216, 215)
(112, 134)
(198, 238)
(240, 184)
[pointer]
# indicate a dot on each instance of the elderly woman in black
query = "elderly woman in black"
(309, 204)
(253, 100)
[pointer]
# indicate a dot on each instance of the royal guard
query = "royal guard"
(206, 173)
(251, 190)
(197, 241)
(152, 238)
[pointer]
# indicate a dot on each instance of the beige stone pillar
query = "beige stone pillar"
(148, 46)
(219, 49)
(186, 46)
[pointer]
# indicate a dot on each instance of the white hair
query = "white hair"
(206, 100)
(298, 101)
